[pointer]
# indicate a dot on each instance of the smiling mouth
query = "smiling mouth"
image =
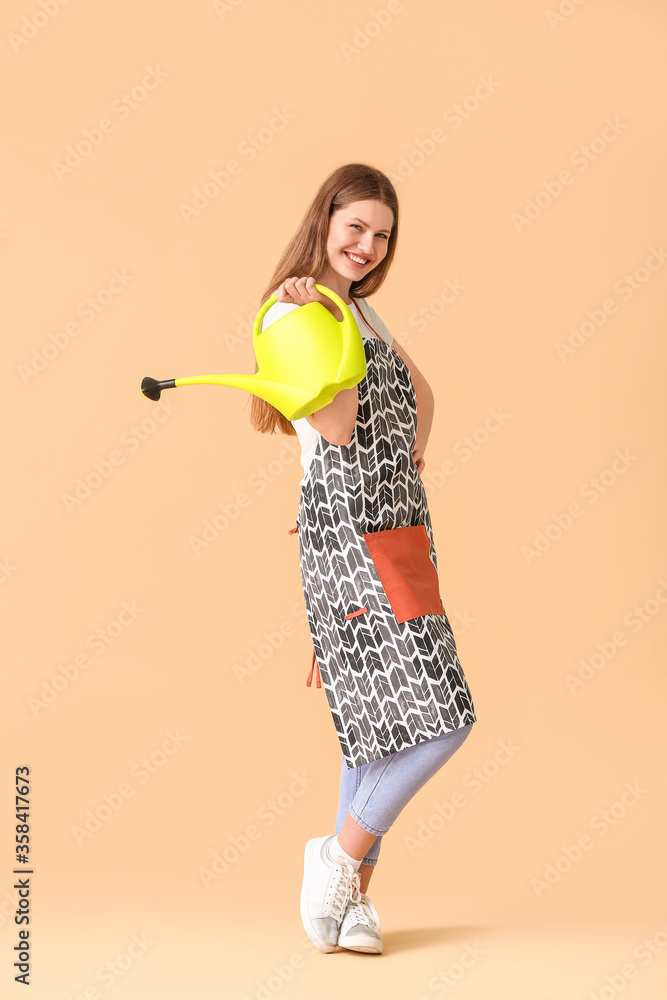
(360, 260)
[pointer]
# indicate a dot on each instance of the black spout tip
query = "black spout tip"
(152, 388)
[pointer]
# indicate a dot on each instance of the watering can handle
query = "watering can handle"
(343, 306)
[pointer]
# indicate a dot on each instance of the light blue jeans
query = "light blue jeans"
(375, 793)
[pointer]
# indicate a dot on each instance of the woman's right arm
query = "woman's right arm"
(336, 420)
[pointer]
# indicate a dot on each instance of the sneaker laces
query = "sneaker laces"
(344, 886)
(360, 912)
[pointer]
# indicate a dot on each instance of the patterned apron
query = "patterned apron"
(381, 638)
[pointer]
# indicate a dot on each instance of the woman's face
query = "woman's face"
(360, 230)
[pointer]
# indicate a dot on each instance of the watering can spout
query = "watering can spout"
(303, 359)
(278, 394)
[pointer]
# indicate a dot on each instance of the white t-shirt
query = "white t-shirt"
(307, 434)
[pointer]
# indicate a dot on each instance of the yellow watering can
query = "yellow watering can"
(304, 359)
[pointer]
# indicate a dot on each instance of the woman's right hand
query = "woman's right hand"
(301, 291)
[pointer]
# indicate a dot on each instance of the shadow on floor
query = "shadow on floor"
(414, 939)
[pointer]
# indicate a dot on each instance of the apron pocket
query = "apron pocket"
(410, 580)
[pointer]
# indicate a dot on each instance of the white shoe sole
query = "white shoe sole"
(370, 950)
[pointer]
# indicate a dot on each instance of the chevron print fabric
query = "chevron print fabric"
(389, 684)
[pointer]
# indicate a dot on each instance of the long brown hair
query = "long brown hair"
(306, 254)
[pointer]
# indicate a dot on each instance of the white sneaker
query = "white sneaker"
(327, 887)
(360, 928)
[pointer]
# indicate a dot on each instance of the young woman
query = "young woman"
(384, 646)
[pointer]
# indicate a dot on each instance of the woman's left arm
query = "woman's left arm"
(425, 406)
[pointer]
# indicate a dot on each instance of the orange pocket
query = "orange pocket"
(409, 578)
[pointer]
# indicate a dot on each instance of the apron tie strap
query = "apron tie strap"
(310, 675)
(356, 302)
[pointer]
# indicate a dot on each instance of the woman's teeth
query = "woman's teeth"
(357, 260)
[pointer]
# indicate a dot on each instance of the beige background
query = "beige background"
(526, 624)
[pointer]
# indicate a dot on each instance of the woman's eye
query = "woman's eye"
(355, 225)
